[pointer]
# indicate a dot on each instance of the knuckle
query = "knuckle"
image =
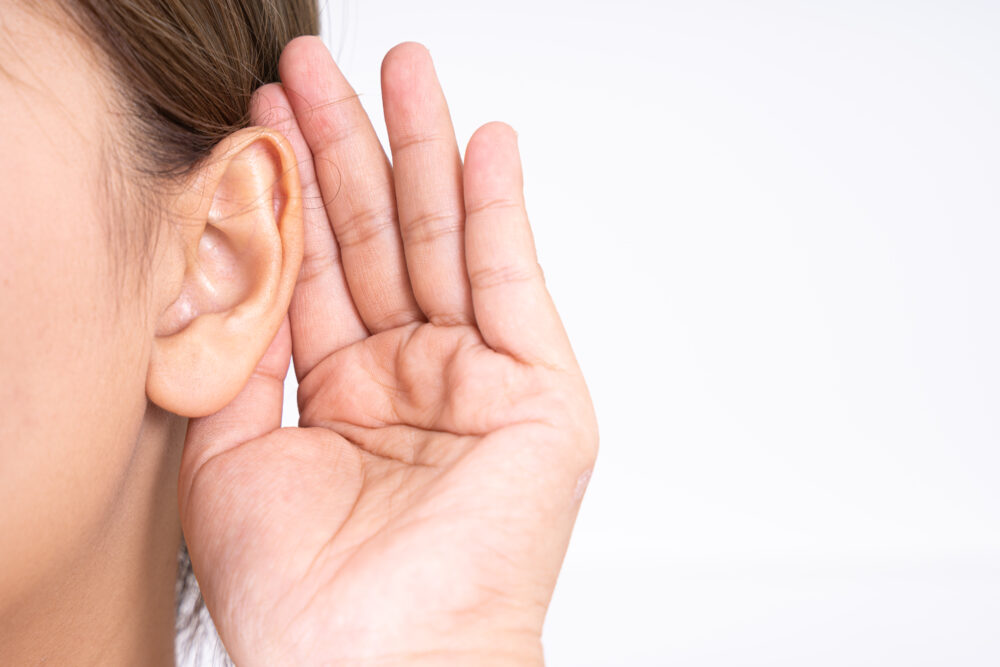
(364, 225)
(448, 319)
(393, 318)
(494, 205)
(328, 133)
(409, 141)
(318, 262)
(577, 420)
(429, 227)
(487, 277)
(330, 123)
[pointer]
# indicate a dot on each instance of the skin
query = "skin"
(421, 510)
(87, 508)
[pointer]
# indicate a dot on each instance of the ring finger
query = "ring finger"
(428, 173)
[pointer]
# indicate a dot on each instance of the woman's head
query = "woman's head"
(151, 243)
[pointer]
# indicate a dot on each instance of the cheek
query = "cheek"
(71, 371)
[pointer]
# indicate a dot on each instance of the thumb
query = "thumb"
(254, 412)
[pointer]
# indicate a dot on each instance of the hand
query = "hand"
(422, 509)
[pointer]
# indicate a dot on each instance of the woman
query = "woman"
(175, 233)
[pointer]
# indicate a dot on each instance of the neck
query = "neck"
(114, 604)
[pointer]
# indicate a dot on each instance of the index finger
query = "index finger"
(356, 180)
(322, 314)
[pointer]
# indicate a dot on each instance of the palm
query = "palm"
(431, 484)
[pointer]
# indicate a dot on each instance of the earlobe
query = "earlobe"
(241, 249)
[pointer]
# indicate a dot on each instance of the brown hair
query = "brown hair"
(188, 68)
(185, 72)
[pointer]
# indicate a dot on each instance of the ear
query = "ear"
(229, 274)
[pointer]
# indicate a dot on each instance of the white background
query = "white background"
(772, 229)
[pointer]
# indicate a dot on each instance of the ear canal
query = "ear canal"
(241, 262)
